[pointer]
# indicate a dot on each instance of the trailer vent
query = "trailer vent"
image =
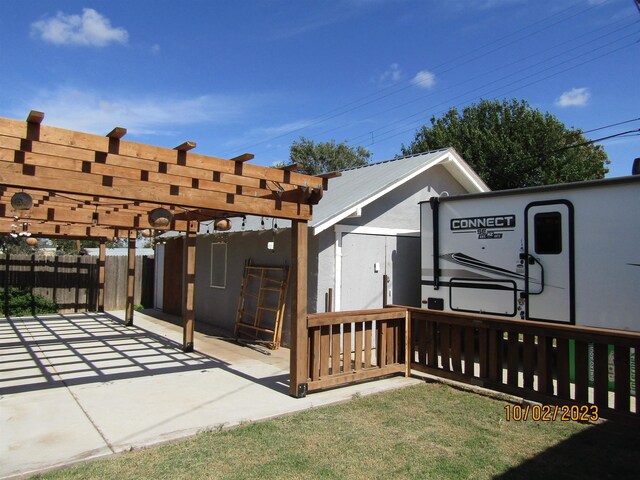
(635, 170)
(435, 303)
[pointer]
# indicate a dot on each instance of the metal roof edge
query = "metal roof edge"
(329, 222)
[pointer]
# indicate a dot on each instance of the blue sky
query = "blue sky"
(252, 76)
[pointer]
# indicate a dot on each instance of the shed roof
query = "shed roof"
(359, 186)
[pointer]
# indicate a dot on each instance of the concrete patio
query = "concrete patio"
(74, 387)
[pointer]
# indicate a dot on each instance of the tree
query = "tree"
(14, 246)
(73, 247)
(323, 157)
(510, 145)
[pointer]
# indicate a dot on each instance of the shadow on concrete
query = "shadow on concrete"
(52, 351)
(608, 450)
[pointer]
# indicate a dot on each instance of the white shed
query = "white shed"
(366, 226)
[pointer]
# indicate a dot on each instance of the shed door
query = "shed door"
(363, 266)
(549, 267)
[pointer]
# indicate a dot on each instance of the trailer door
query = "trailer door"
(549, 284)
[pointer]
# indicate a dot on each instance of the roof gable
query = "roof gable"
(358, 187)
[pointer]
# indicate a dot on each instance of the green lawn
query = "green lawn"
(427, 431)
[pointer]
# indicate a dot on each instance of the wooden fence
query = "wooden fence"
(346, 347)
(545, 362)
(72, 281)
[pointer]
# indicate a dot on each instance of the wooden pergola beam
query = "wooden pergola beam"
(186, 146)
(326, 177)
(35, 117)
(93, 218)
(52, 178)
(93, 186)
(114, 167)
(117, 132)
(53, 230)
(292, 167)
(245, 157)
(52, 137)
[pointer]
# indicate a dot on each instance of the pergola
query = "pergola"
(85, 186)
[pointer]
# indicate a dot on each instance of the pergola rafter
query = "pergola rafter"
(87, 186)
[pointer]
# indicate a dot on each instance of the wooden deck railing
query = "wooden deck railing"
(545, 362)
(539, 361)
(345, 347)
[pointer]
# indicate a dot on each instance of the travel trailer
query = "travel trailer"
(562, 253)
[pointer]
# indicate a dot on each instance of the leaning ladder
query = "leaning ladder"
(262, 303)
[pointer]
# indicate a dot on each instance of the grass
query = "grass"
(426, 431)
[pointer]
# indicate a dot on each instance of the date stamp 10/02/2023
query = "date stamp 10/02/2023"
(551, 413)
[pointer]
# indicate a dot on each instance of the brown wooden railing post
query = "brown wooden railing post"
(541, 351)
(408, 349)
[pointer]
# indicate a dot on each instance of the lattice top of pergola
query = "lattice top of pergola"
(85, 185)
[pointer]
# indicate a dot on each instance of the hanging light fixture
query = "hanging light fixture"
(21, 201)
(32, 241)
(160, 217)
(222, 224)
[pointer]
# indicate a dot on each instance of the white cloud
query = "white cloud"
(424, 79)
(99, 113)
(576, 97)
(89, 29)
(391, 74)
(283, 129)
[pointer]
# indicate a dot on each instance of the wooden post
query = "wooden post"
(298, 363)
(188, 316)
(408, 352)
(102, 261)
(385, 284)
(131, 272)
(7, 285)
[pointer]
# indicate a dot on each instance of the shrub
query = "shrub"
(21, 302)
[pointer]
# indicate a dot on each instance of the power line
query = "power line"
(612, 125)
(383, 137)
(409, 83)
(486, 84)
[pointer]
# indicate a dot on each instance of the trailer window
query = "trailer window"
(548, 233)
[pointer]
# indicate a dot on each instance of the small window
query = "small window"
(218, 265)
(548, 233)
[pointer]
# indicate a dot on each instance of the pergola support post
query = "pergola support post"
(298, 363)
(102, 259)
(131, 276)
(188, 314)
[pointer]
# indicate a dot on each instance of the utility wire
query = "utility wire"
(409, 83)
(412, 128)
(612, 125)
(472, 79)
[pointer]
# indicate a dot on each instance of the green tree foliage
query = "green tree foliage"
(14, 246)
(70, 247)
(323, 157)
(22, 303)
(511, 145)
